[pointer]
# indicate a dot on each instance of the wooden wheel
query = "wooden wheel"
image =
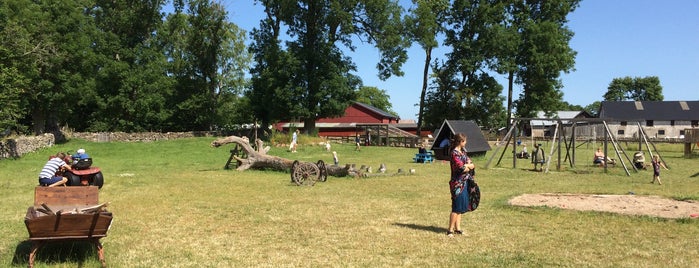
(305, 173)
(293, 167)
(323, 171)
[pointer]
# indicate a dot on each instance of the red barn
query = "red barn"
(372, 124)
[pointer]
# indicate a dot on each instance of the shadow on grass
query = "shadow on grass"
(56, 252)
(433, 229)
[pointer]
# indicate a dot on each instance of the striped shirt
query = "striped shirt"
(51, 167)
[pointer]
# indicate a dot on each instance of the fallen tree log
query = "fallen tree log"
(255, 158)
(259, 159)
(337, 171)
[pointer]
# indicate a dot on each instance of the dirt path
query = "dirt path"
(623, 204)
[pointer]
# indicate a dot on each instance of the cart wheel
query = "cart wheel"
(323, 171)
(306, 174)
(293, 167)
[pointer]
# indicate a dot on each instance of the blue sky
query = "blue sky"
(618, 38)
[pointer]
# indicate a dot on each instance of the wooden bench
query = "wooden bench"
(424, 157)
(66, 213)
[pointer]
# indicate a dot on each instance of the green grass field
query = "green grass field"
(175, 206)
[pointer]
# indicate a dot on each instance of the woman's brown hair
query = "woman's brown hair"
(456, 140)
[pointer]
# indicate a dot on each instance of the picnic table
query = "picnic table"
(424, 157)
(67, 214)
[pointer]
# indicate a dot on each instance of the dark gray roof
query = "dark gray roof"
(649, 110)
(476, 141)
(377, 110)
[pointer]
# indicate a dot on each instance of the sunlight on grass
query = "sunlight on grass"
(175, 206)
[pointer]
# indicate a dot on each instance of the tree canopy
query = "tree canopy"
(636, 88)
(118, 65)
(95, 65)
(375, 97)
(308, 77)
(527, 40)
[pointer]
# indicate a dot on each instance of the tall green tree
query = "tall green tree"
(234, 63)
(76, 72)
(30, 51)
(440, 102)
(636, 88)
(131, 74)
(13, 82)
(543, 53)
(507, 43)
(375, 97)
(424, 25)
(322, 84)
(11, 86)
(51, 45)
(272, 71)
(469, 26)
(214, 61)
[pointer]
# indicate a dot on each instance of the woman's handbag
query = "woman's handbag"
(474, 195)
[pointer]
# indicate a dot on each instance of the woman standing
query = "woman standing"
(461, 166)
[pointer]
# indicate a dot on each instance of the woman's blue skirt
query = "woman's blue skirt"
(459, 204)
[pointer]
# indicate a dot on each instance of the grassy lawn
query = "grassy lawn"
(175, 206)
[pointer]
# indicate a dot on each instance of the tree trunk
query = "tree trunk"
(428, 58)
(255, 159)
(259, 159)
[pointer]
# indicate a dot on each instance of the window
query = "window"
(623, 123)
(649, 123)
(695, 123)
(682, 132)
(620, 132)
(661, 132)
(672, 122)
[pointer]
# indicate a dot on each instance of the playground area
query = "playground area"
(566, 144)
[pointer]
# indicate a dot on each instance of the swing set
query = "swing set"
(565, 139)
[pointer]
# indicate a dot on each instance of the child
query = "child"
(656, 169)
(294, 141)
(81, 154)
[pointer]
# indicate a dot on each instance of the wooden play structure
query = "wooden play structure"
(691, 139)
(67, 214)
(563, 141)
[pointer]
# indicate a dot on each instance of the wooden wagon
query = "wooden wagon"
(67, 214)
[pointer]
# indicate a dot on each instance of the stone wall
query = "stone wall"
(16, 147)
(137, 137)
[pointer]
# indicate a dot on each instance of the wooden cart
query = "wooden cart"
(67, 214)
